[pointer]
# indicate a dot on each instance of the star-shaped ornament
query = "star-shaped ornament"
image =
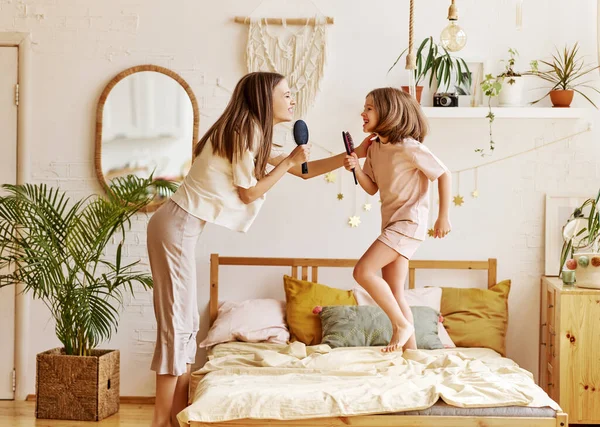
(475, 194)
(458, 200)
(330, 177)
(354, 221)
(340, 196)
(431, 232)
(367, 207)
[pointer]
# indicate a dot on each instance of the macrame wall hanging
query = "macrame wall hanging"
(298, 52)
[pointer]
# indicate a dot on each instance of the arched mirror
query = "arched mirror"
(146, 123)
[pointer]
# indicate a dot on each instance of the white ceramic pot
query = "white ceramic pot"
(587, 273)
(511, 95)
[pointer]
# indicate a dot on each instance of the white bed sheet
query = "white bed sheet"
(270, 381)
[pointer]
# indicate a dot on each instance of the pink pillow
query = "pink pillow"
(257, 320)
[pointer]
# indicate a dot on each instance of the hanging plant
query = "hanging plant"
(491, 88)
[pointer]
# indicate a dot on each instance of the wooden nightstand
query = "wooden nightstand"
(570, 349)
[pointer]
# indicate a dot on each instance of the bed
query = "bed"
(261, 384)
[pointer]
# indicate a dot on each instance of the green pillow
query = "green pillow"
(365, 326)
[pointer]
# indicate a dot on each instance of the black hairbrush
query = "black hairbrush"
(349, 145)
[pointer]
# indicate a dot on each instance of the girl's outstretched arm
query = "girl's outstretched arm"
(322, 166)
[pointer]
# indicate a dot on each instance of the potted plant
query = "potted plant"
(449, 70)
(57, 249)
(512, 83)
(564, 73)
(580, 251)
(439, 64)
(424, 63)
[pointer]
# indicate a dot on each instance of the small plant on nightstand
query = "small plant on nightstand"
(581, 244)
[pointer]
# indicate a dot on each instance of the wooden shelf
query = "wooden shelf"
(506, 112)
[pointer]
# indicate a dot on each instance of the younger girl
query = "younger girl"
(400, 167)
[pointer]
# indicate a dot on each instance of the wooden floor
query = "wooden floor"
(22, 414)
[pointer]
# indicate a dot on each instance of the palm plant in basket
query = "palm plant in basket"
(56, 248)
(564, 73)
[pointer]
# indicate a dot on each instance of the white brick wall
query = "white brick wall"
(80, 45)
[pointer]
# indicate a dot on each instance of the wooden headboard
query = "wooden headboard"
(312, 264)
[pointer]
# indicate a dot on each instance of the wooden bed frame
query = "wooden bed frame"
(313, 264)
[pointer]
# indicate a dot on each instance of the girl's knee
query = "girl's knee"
(361, 272)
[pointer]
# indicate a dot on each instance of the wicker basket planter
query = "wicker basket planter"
(84, 388)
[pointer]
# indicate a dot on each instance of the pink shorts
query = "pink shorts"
(401, 243)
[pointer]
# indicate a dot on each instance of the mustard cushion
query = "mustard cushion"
(477, 317)
(301, 298)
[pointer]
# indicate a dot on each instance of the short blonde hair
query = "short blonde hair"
(399, 115)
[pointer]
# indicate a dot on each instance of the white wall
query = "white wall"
(80, 45)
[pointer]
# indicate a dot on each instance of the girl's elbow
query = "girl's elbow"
(245, 195)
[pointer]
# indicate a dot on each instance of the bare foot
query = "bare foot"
(400, 336)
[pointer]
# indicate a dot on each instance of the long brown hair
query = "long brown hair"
(399, 115)
(250, 110)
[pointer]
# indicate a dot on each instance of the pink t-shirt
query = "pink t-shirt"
(402, 171)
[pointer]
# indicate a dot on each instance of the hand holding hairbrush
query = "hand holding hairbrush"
(349, 146)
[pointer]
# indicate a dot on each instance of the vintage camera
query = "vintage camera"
(446, 99)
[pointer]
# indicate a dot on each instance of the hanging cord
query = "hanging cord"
(411, 62)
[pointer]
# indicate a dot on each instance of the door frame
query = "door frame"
(22, 41)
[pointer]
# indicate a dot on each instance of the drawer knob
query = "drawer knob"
(550, 384)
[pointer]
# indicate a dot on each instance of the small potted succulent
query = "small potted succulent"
(580, 251)
(564, 73)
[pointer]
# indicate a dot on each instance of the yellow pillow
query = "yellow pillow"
(477, 317)
(301, 298)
